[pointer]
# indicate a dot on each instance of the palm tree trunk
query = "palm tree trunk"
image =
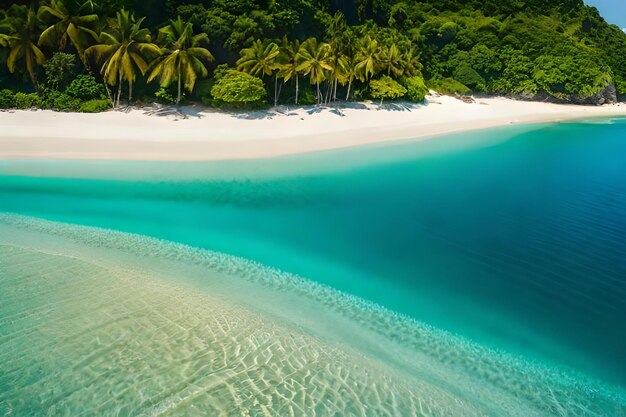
(325, 97)
(130, 92)
(318, 93)
(349, 85)
(31, 72)
(296, 89)
(276, 89)
(119, 93)
(329, 91)
(111, 99)
(179, 88)
(33, 79)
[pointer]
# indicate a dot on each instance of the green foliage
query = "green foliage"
(448, 86)
(386, 87)
(95, 106)
(236, 89)
(518, 75)
(307, 97)
(329, 49)
(123, 51)
(7, 99)
(466, 75)
(203, 88)
(564, 76)
(183, 59)
(20, 34)
(165, 96)
(59, 70)
(57, 101)
(26, 101)
(85, 87)
(416, 89)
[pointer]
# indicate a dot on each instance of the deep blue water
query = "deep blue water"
(513, 237)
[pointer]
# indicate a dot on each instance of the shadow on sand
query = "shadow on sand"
(337, 108)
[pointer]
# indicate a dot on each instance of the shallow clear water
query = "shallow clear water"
(513, 239)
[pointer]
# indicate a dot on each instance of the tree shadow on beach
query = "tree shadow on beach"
(401, 106)
(176, 112)
(253, 114)
(336, 108)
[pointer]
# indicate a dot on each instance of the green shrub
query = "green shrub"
(7, 99)
(386, 87)
(563, 76)
(85, 87)
(448, 86)
(203, 88)
(59, 70)
(416, 89)
(95, 106)
(165, 96)
(236, 89)
(307, 97)
(469, 77)
(27, 101)
(66, 103)
(56, 101)
(620, 85)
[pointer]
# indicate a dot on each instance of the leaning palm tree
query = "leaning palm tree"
(314, 62)
(367, 58)
(260, 59)
(183, 58)
(22, 28)
(73, 20)
(289, 59)
(123, 51)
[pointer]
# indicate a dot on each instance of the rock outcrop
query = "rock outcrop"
(606, 96)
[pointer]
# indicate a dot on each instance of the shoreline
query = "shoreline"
(198, 133)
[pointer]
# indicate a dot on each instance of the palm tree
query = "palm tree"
(183, 57)
(4, 30)
(314, 62)
(410, 62)
(289, 60)
(4, 34)
(123, 51)
(260, 59)
(22, 31)
(367, 58)
(393, 61)
(336, 73)
(345, 65)
(75, 20)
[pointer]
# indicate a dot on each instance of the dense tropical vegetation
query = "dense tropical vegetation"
(89, 55)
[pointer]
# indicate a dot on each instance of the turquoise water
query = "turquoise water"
(513, 239)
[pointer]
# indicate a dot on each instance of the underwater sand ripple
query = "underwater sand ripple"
(95, 322)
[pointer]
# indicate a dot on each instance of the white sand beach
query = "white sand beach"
(203, 134)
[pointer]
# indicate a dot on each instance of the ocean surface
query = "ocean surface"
(478, 274)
